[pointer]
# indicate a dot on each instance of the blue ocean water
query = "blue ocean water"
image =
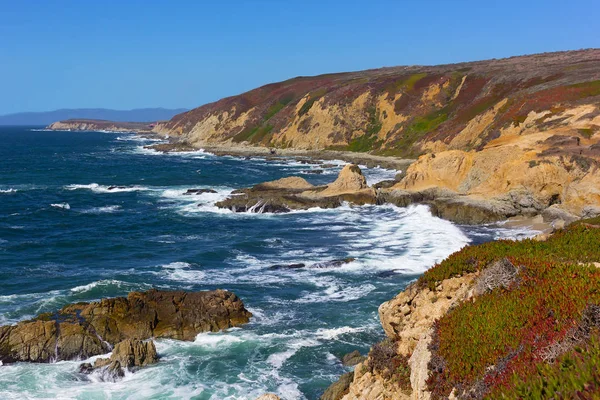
(66, 236)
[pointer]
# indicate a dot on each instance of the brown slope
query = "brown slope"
(399, 110)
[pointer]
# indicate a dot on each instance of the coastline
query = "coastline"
(366, 159)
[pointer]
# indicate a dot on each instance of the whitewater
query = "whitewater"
(90, 215)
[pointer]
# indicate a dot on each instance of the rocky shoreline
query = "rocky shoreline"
(121, 325)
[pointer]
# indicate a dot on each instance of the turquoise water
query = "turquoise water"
(65, 237)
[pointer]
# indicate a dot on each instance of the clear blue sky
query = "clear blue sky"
(131, 54)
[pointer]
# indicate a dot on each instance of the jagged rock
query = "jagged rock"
(333, 263)
(295, 193)
(127, 355)
(190, 192)
(83, 330)
(338, 389)
(287, 266)
(350, 180)
(351, 359)
(268, 396)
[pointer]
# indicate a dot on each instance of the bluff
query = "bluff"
(485, 129)
(501, 320)
(101, 125)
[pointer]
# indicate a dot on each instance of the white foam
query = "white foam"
(102, 210)
(64, 206)
(8, 191)
(94, 187)
(182, 272)
(90, 286)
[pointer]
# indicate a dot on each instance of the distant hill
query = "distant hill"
(48, 117)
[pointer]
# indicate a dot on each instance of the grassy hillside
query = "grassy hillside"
(402, 110)
(532, 331)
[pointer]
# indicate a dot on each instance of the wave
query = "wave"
(181, 272)
(138, 138)
(64, 206)
(8, 191)
(94, 187)
(102, 210)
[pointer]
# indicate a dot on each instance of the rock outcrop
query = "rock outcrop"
(295, 193)
(127, 355)
(268, 396)
(407, 321)
(83, 330)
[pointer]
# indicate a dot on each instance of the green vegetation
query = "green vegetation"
(369, 140)
(578, 243)
(385, 361)
(419, 127)
(575, 375)
(491, 344)
(256, 134)
(586, 132)
(587, 89)
(406, 84)
(312, 97)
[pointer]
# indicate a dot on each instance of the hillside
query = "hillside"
(48, 117)
(502, 320)
(485, 129)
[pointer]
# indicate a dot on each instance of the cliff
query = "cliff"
(502, 320)
(101, 125)
(523, 126)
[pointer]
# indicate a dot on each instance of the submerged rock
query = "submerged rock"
(83, 330)
(333, 263)
(190, 192)
(287, 266)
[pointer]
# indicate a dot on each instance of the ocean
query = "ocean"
(67, 236)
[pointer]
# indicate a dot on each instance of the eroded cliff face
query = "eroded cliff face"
(407, 321)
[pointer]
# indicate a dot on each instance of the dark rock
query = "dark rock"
(86, 368)
(333, 263)
(83, 330)
(351, 359)
(338, 389)
(287, 266)
(385, 184)
(118, 187)
(313, 171)
(190, 192)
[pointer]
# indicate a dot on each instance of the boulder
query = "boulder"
(353, 358)
(190, 192)
(127, 355)
(83, 330)
(338, 389)
(350, 180)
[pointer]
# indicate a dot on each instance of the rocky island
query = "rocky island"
(82, 330)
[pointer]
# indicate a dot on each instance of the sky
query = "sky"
(133, 54)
